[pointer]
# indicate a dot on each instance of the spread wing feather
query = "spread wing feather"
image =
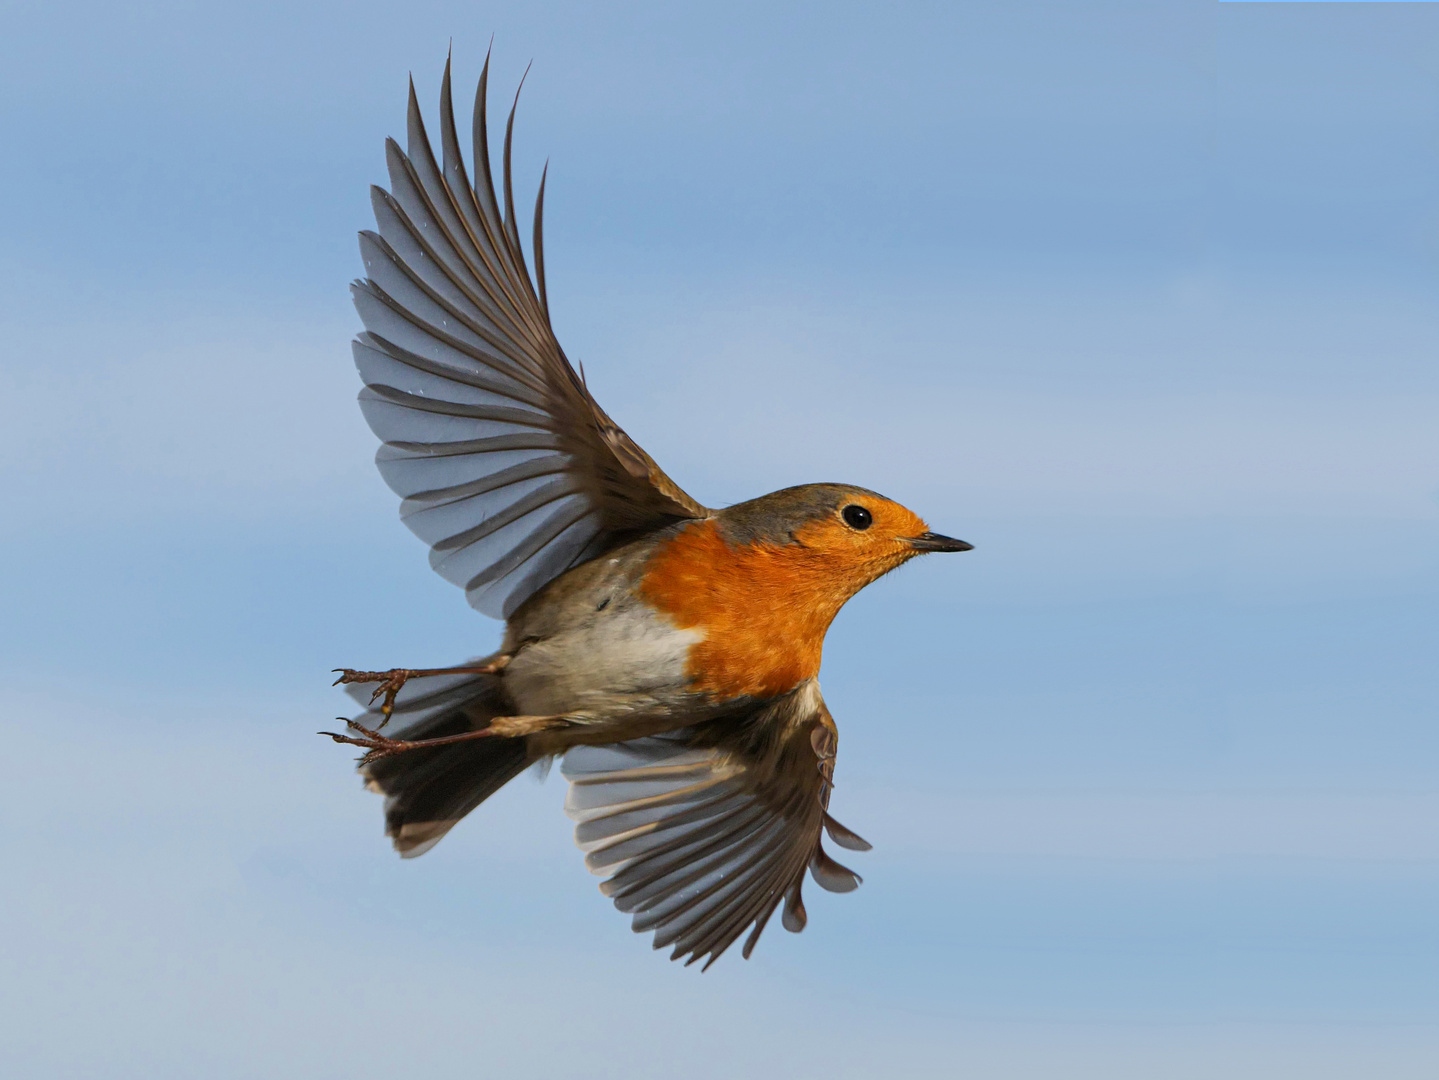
(506, 466)
(701, 833)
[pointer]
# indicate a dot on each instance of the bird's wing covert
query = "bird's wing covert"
(508, 468)
(702, 832)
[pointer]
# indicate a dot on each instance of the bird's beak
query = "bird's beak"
(934, 542)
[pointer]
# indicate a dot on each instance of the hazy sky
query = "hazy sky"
(1138, 298)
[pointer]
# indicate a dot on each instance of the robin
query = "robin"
(668, 651)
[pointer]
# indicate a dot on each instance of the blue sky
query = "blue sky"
(1139, 299)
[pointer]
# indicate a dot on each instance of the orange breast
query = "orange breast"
(764, 609)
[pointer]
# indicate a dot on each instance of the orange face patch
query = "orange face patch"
(765, 607)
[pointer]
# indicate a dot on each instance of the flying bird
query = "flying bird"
(667, 651)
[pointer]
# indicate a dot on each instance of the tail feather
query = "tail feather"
(427, 791)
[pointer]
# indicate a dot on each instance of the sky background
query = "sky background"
(1137, 298)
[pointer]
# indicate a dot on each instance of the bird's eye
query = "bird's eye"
(857, 517)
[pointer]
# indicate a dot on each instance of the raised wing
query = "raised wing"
(508, 468)
(702, 832)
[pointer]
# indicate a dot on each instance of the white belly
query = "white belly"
(597, 649)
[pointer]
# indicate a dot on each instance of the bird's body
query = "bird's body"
(695, 617)
(668, 651)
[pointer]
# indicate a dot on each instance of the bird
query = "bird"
(668, 653)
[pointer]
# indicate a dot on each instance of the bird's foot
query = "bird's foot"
(379, 746)
(393, 681)
(376, 746)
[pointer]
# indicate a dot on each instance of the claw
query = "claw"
(391, 683)
(376, 745)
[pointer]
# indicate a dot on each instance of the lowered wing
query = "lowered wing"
(701, 833)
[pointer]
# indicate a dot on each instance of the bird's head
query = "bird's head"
(849, 534)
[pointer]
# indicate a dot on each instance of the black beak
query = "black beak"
(935, 542)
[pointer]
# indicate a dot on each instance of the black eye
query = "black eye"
(857, 517)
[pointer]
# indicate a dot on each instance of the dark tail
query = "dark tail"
(427, 791)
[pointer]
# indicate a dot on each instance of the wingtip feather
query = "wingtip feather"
(539, 241)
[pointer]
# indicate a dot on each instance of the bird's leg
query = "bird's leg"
(379, 746)
(393, 680)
